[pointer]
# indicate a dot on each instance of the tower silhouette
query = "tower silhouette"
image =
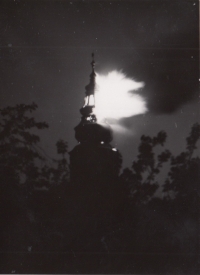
(94, 167)
(93, 159)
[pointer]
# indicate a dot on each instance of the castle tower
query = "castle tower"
(93, 159)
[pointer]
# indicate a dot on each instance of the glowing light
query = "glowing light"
(115, 98)
(89, 100)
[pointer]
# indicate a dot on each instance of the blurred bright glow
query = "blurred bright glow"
(115, 98)
(89, 100)
(120, 129)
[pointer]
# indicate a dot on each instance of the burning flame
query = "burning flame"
(114, 96)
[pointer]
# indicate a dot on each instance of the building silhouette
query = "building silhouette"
(94, 158)
(95, 195)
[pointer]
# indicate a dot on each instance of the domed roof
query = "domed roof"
(93, 132)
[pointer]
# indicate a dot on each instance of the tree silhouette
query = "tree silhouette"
(24, 172)
(141, 179)
(167, 224)
(20, 154)
(182, 192)
(58, 174)
(183, 176)
(18, 149)
(42, 213)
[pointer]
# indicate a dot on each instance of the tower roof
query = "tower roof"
(88, 130)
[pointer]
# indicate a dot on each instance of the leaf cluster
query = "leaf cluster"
(142, 177)
(22, 161)
(183, 177)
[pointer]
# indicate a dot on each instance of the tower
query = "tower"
(95, 195)
(93, 159)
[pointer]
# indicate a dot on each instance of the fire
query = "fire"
(115, 98)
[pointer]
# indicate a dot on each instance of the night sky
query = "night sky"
(45, 55)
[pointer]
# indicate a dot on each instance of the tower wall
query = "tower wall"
(90, 163)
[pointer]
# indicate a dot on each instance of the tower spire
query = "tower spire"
(87, 109)
(93, 157)
(90, 88)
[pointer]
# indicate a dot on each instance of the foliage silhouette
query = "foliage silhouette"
(181, 190)
(18, 145)
(25, 172)
(20, 154)
(183, 175)
(168, 224)
(141, 179)
(42, 213)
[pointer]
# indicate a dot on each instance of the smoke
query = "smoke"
(121, 129)
(115, 97)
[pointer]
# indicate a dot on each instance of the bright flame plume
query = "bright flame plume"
(115, 98)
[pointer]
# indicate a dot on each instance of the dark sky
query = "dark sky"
(45, 55)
